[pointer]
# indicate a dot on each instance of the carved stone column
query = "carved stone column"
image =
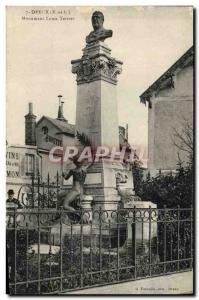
(97, 113)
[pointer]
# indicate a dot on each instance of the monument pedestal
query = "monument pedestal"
(97, 118)
(96, 110)
(144, 229)
(101, 183)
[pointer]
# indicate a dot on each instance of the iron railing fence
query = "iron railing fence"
(54, 251)
(41, 192)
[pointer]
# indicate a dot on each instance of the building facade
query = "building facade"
(170, 110)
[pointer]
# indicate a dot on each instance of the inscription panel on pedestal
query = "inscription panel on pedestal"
(93, 178)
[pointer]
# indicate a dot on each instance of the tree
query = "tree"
(137, 172)
(171, 190)
(183, 140)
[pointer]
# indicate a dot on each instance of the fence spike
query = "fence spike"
(57, 177)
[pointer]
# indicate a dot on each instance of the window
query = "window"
(30, 164)
(45, 129)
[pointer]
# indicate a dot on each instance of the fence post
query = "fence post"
(191, 235)
(38, 262)
(178, 235)
(165, 238)
(134, 240)
(50, 253)
(27, 245)
(81, 250)
(109, 247)
(150, 240)
(100, 241)
(15, 252)
(118, 245)
(61, 253)
(91, 250)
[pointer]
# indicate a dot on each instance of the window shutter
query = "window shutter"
(22, 165)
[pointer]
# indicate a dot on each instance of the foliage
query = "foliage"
(170, 190)
(137, 175)
(183, 140)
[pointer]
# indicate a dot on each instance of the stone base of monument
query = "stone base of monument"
(70, 232)
(101, 183)
(144, 230)
(92, 234)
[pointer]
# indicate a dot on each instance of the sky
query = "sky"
(147, 39)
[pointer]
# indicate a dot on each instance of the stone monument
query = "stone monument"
(97, 114)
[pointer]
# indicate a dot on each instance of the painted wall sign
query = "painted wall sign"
(12, 164)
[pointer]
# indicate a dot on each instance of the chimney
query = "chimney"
(30, 127)
(127, 132)
(60, 115)
(30, 108)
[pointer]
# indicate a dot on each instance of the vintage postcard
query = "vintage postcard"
(100, 150)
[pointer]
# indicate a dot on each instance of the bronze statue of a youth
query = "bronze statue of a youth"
(99, 33)
(78, 173)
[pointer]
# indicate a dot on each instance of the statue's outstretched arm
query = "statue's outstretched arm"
(87, 166)
(67, 174)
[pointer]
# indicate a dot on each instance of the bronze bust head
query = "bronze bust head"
(97, 20)
(99, 33)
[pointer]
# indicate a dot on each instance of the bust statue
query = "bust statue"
(99, 33)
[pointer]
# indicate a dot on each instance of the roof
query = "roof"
(20, 146)
(64, 127)
(166, 80)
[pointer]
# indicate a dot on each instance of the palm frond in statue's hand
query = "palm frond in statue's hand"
(83, 139)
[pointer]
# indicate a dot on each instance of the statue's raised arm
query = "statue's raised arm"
(67, 169)
(99, 33)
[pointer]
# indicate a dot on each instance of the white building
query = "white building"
(170, 106)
